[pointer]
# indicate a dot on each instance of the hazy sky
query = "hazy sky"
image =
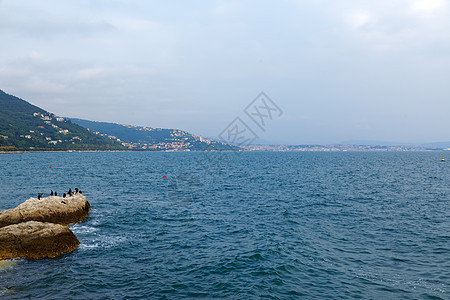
(339, 69)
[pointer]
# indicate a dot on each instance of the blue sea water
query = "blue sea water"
(240, 225)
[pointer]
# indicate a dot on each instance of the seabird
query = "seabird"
(56, 194)
(70, 191)
(51, 192)
(63, 202)
(40, 196)
(64, 195)
(76, 190)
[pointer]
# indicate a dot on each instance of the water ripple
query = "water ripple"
(269, 225)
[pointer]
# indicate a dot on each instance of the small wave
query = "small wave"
(400, 283)
(88, 246)
(83, 229)
(173, 219)
(103, 242)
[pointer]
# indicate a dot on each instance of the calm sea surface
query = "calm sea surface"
(241, 226)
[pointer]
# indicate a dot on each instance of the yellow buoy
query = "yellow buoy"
(443, 159)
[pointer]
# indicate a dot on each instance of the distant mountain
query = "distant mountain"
(24, 126)
(146, 138)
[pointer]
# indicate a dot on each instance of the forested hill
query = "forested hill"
(147, 138)
(24, 126)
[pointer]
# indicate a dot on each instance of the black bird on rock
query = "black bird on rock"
(40, 196)
(76, 190)
(56, 194)
(64, 195)
(51, 192)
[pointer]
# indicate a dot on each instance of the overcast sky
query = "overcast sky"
(339, 69)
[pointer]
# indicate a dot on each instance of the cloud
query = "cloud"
(428, 6)
(88, 74)
(124, 22)
(39, 24)
(39, 85)
(227, 7)
(398, 26)
(358, 18)
(111, 72)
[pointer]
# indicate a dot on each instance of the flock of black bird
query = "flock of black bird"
(69, 193)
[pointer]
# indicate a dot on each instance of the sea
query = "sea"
(240, 225)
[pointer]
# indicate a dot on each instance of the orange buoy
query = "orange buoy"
(164, 176)
(50, 167)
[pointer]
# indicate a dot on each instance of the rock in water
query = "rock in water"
(6, 264)
(36, 240)
(49, 209)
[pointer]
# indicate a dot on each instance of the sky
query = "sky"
(340, 70)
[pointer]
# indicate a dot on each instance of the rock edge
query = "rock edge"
(51, 209)
(36, 240)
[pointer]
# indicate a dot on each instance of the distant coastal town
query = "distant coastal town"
(341, 147)
(180, 140)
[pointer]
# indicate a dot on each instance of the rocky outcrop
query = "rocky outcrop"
(36, 240)
(34, 229)
(51, 209)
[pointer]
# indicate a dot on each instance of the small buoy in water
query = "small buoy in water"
(164, 176)
(443, 159)
(50, 167)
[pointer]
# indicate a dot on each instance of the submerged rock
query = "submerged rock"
(36, 240)
(6, 264)
(51, 209)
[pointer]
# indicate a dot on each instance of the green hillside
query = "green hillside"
(145, 138)
(24, 126)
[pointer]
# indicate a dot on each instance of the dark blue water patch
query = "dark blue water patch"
(240, 225)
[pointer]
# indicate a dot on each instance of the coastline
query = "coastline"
(94, 151)
(312, 148)
(61, 151)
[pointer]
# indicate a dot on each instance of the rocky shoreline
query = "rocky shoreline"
(38, 228)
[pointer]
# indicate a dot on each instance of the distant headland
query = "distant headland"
(26, 127)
